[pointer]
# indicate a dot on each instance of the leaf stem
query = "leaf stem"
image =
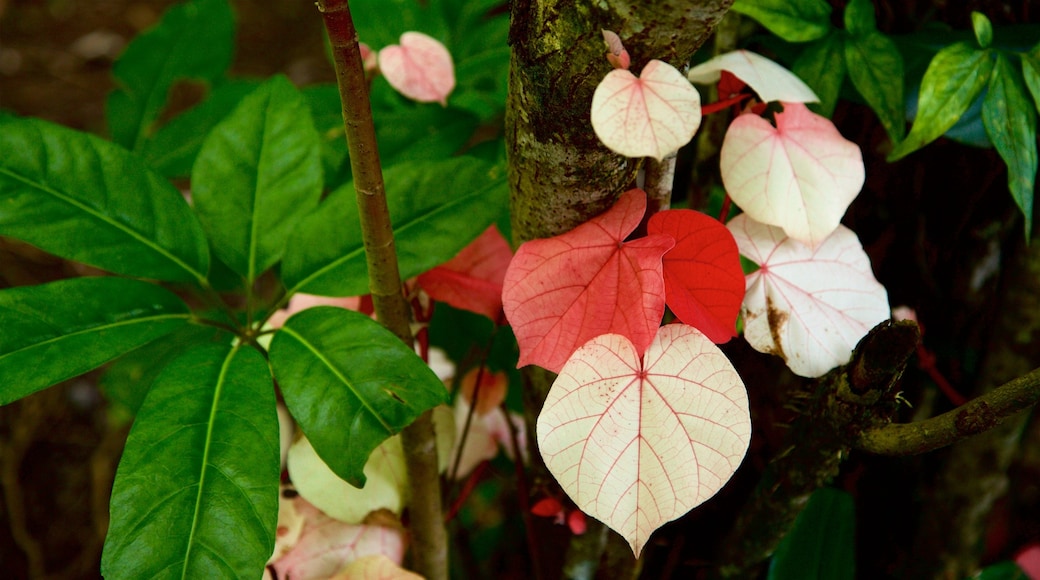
(430, 556)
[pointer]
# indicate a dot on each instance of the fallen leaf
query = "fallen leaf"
(809, 306)
(420, 68)
(771, 81)
(638, 443)
(562, 291)
(800, 175)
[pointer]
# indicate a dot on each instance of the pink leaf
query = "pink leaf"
(492, 390)
(800, 176)
(472, 280)
(771, 81)
(327, 545)
(703, 281)
(649, 116)
(562, 291)
(616, 55)
(638, 443)
(808, 306)
(420, 68)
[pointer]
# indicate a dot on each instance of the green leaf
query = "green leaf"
(350, 384)
(126, 380)
(85, 199)
(59, 330)
(876, 70)
(1031, 73)
(377, 30)
(791, 20)
(258, 173)
(193, 40)
(437, 209)
(1002, 571)
(1010, 121)
(983, 29)
(173, 148)
(822, 66)
(821, 544)
(859, 18)
(196, 492)
(954, 78)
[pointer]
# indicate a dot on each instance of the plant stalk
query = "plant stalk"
(430, 554)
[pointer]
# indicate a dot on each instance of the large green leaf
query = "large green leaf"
(377, 30)
(859, 17)
(56, 331)
(258, 173)
(956, 75)
(822, 66)
(1010, 122)
(173, 148)
(876, 70)
(85, 199)
(193, 40)
(437, 208)
(1031, 73)
(821, 544)
(196, 493)
(350, 384)
(791, 20)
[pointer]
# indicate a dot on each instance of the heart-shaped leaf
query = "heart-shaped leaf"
(703, 280)
(808, 306)
(638, 443)
(420, 68)
(771, 81)
(561, 292)
(800, 21)
(652, 115)
(822, 66)
(472, 280)
(800, 175)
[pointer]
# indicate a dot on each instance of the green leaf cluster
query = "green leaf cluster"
(821, 543)
(194, 275)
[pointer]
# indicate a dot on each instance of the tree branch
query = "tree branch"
(392, 310)
(976, 416)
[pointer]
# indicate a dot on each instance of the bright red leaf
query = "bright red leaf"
(472, 280)
(703, 281)
(563, 291)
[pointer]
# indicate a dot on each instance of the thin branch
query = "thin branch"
(392, 310)
(974, 417)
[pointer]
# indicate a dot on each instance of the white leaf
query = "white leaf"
(800, 175)
(649, 116)
(771, 81)
(636, 443)
(808, 306)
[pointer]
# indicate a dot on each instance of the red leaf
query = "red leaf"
(547, 507)
(729, 85)
(703, 281)
(563, 291)
(472, 280)
(576, 522)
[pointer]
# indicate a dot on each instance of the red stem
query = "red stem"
(721, 105)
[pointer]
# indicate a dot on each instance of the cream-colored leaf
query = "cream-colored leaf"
(771, 81)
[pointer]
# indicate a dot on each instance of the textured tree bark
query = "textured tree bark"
(951, 537)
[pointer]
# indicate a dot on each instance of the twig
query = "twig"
(392, 310)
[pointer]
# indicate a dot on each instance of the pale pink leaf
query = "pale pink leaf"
(290, 524)
(420, 68)
(561, 292)
(809, 306)
(771, 81)
(638, 443)
(375, 567)
(616, 53)
(800, 175)
(480, 446)
(652, 115)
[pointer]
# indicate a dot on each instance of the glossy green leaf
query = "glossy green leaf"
(437, 208)
(350, 384)
(196, 492)
(173, 148)
(953, 79)
(258, 173)
(1002, 571)
(859, 17)
(983, 29)
(1031, 73)
(59, 330)
(821, 544)
(193, 40)
(126, 380)
(85, 199)
(1010, 121)
(377, 30)
(876, 70)
(822, 66)
(791, 20)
